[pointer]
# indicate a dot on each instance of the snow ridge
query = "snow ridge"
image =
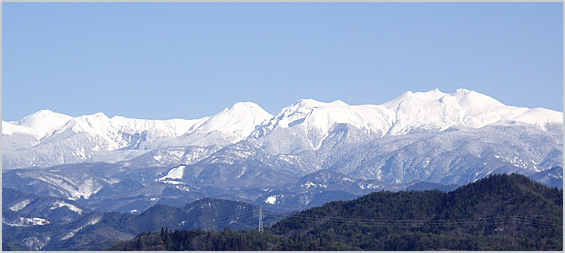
(410, 112)
(119, 132)
(432, 110)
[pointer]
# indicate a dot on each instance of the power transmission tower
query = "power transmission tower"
(261, 219)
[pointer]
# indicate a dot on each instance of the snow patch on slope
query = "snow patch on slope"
(310, 184)
(271, 200)
(20, 205)
(74, 190)
(174, 173)
(74, 231)
(59, 204)
(26, 222)
(241, 119)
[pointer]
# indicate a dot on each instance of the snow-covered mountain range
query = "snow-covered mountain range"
(436, 137)
(48, 138)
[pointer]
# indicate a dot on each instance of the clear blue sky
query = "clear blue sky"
(189, 60)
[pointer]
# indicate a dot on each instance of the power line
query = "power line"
(430, 222)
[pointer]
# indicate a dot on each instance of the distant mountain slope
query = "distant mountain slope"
(17, 204)
(552, 177)
(96, 231)
(112, 187)
(500, 212)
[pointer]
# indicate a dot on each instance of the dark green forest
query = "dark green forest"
(500, 212)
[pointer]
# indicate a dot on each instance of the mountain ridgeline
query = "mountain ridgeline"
(303, 137)
(307, 154)
(500, 212)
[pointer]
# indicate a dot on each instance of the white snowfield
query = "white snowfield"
(271, 200)
(20, 205)
(174, 173)
(74, 231)
(59, 204)
(26, 222)
(53, 138)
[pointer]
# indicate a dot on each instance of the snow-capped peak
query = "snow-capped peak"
(246, 106)
(312, 103)
(435, 110)
(432, 110)
(38, 124)
(239, 120)
(315, 118)
(303, 106)
(461, 97)
(95, 124)
(42, 118)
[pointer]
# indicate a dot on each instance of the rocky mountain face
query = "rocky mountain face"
(308, 153)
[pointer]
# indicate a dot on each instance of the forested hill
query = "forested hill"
(500, 212)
